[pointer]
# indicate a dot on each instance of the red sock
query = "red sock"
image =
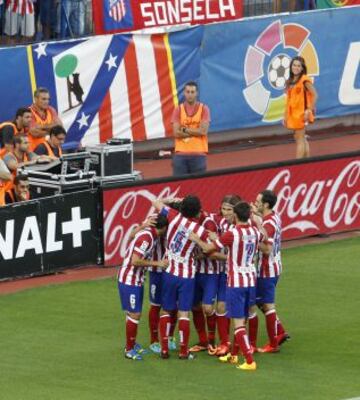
(154, 316)
(270, 317)
(223, 328)
(243, 343)
(184, 333)
(173, 316)
(199, 323)
(228, 325)
(211, 327)
(164, 328)
(131, 332)
(279, 327)
(253, 329)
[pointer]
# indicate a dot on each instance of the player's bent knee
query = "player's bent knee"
(221, 308)
(268, 307)
(252, 309)
(183, 314)
(135, 316)
(208, 309)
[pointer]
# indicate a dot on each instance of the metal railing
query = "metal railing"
(40, 20)
(29, 21)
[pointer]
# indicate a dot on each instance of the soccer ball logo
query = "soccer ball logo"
(267, 67)
(279, 71)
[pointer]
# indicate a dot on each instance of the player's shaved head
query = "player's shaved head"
(190, 206)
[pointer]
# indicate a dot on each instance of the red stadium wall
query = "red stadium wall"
(316, 197)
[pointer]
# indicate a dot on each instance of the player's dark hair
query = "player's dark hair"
(18, 139)
(57, 130)
(190, 206)
(175, 205)
(161, 222)
(20, 178)
(290, 81)
(193, 84)
(40, 90)
(21, 111)
(268, 196)
(243, 211)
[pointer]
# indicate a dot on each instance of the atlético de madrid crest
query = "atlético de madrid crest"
(117, 9)
(117, 14)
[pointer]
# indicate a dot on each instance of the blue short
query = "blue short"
(221, 294)
(265, 290)
(238, 301)
(184, 164)
(131, 297)
(177, 293)
(155, 286)
(206, 287)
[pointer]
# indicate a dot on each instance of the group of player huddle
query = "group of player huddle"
(222, 267)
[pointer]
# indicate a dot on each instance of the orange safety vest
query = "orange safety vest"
(51, 151)
(48, 119)
(11, 194)
(3, 150)
(297, 99)
(193, 144)
(10, 185)
(2, 193)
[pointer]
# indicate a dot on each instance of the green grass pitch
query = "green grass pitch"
(65, 342)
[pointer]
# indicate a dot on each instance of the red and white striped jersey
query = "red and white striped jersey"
(21, 7)
(242, 242)
(223, 226)
(143, 245)
(270, 265)
(158, 254)
(206, 265)
(180, 249)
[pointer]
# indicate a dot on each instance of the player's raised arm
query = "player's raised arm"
(137, 261)
(205, 247)
(218, 256)
(148, 222)
(158, 204)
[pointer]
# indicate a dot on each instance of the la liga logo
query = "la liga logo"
(267, 67)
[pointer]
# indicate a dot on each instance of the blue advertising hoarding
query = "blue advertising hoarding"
(241, 68)
(245, 64)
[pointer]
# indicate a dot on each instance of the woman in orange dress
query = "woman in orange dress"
(301, 98)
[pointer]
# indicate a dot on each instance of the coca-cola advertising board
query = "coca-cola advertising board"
(313, 198)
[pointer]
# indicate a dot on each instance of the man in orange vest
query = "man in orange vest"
(5, 179)
(44, 117)
(190, 121)
(21, 155)
(52, 146)
(9, 129)
(20, 191)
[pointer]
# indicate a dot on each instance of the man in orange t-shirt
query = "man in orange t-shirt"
(44, 117)
(190, 121)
